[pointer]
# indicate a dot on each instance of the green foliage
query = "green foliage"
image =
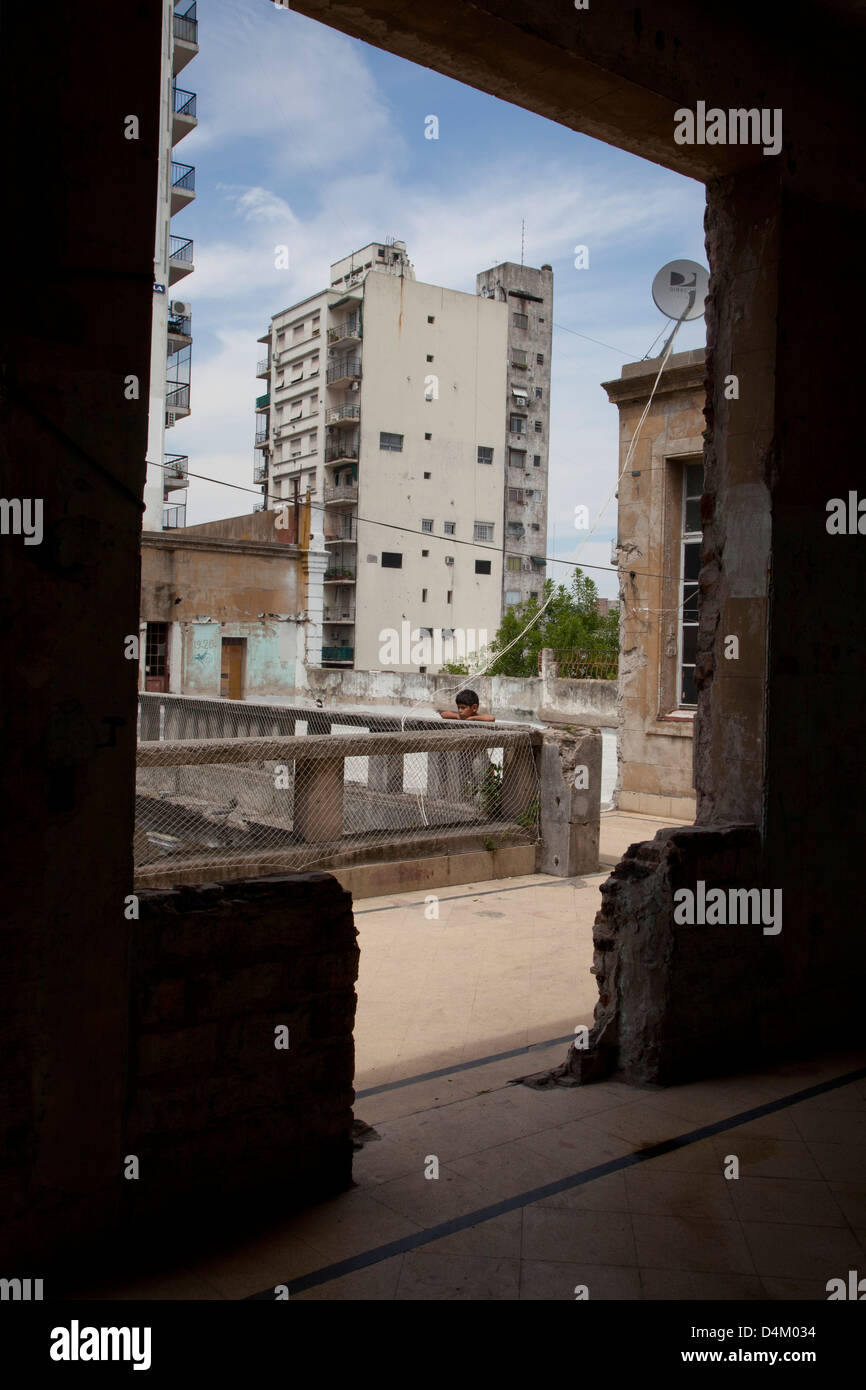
(455, 668)
(571, 620)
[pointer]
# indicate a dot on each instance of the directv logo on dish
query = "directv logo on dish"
(734, 127)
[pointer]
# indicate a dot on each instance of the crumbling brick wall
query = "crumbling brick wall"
(215, 1108)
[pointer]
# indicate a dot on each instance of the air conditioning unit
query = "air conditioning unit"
(180, 308)
(449, 559)
(170, 417)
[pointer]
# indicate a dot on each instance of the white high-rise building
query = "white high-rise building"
(528, 296)
(171, 336)
(385, 398)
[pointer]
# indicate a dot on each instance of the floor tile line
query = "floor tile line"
(483, 893)
(462, 1066)
(427, 1236)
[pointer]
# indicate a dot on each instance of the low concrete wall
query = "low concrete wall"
(548, 700)
(216, 1112)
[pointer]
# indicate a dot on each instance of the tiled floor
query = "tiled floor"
(505, 967)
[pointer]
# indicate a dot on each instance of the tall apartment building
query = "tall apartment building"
(171, 335)
(385, 399)
(528, 295)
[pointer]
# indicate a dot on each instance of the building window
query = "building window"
(538, 427)
(482, 566)
(391, 441)
(518, 357)
(426, 475)
(536, 460)
(512, 596)
(392, 560)
(693, 486)
(517, 424)
(429, 357)
(426, 524)
(449, 527)
(539, 392)
(483, 531)
(520, 320)
(430, 318)
(512, 562)
(539, 357)
(297, 371)
(516, 494)
(155, 649)
(428, 436)
(424, 554)
(423, 595)
(485, 455)
(449, 597)
(517, 458)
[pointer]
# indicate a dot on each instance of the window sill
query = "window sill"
(675, 724)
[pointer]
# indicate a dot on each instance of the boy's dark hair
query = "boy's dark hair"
(466, 697)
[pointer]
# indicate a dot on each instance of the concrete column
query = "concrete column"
(319, 800)
(569, 810)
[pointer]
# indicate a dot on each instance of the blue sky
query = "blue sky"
(314, 140)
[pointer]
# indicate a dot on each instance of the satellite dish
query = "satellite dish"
(679, 290)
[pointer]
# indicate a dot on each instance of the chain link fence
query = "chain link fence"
(212, 807)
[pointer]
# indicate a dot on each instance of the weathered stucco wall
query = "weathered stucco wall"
(184, 578)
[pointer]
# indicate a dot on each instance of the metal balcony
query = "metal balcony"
(348, 331)
(262, 402)
(342, 415)
(341, 450)
(185, 38)
(344, 370)
(183, 114)
(175, 469)
(182, 186)
(263, 368)
(177, 396)
(260, 471)
(261, 438)
(340, 575)
(180, 258)
(334, 496)
(173, 517)
(179, 328)
(343, 655)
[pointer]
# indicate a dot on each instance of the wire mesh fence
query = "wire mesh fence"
(582, 664)
(221, 807)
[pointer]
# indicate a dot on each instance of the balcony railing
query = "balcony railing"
(260, 471)
(344, 369)
(180, 249)
(262, 402)
(186, 26)
(342, 494)
(173, 517)
(180, 326)
(263, 368)
(340, 535)
(349, 328)
(261, 437)
(183, 176)
(340, 414)
(341, 449)
(184, 102)
(346, 617)
(176, 466)
(340, 575)
(177, 395)
(338, 653)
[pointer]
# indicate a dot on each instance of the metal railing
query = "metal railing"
(338, 653)
(183, 176)
(180, 249)
(341, 494)
(175, 465)
(263, 366)
(349, 328)
(184, 102)
(583, 664)
(260, 471)
(334, 452)
(177, 395)
(186, 26)
(261, 437)
(340, 574)
(180, 326)
(173, 517)
(345, 368)
(342, 412)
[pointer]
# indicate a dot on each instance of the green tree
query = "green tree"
(570, 620)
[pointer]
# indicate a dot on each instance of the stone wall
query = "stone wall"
(215, 1111)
